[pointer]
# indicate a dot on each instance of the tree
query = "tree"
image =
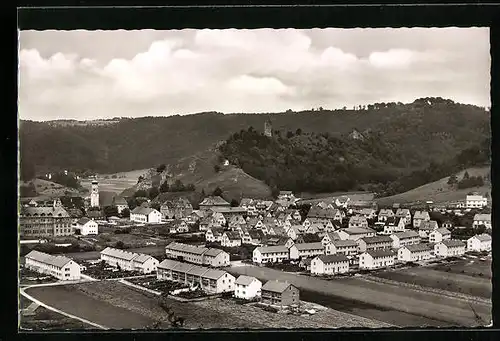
(466, 175)
(110, 211)
(203, 193)
(298, 131)
(125, 213)
(156, 206)
(234, 203)
(27, 170)
(120, 245)
(289, 134)
(452, 180)
(217, 168)
(140, 193)
(217, 192)
(140, 178)
(164, 187)
(178, 186)
(161, 168)
(153, 193)
(190, 188)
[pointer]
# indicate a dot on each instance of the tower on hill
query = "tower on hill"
(94, 195)
(268, 128)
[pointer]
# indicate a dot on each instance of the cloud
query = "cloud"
(243, 71)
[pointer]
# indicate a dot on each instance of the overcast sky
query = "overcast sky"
(104, 74)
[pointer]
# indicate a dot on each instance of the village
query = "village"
(204, 253)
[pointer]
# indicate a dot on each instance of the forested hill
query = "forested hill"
(409, 135)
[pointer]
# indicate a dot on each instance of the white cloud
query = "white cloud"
(244, 71)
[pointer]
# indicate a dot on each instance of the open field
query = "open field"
(310, 198)
(439, 191)
(123, 181)
(439, 279)
(129, 239)
(388, 301)
(474, 268)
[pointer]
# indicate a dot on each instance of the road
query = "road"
(391, 304)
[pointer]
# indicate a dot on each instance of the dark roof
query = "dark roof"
(419, 247)
(377, 239)
(380, 253)
(483, 237)
(333, 258)
(275, 286)
(453, 243)
(83, 220)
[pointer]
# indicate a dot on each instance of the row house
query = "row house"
(384, 214)
(419, 217)
(475, 201)
(415, 253)
(374, 243)
(406, 238)
(128, 261)
(376, 259)
(282, 294)
(345, 247)
(426, 227)
(393, 225)
(449, 248)
(439, 235)
(231, 239)
(482, 219)
(209, 280)
(273, 254)
(329, 265)
(62, 268)
(355, 233)
(306, 250)
(480, 242)
(199, 255)
(358, 221)
(247, 287)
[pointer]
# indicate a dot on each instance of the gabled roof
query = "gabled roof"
(168, 264)
(405, 234)
(272, 249)
(453, 243)
(83, 221)
(213, 252)
(214, 201)
(142, 258)
(233, 235)
(183, 267)
(197, 270)
(418, 247)
(377, 239)
(357, 219)
(117, 253)
(429, 225)
(256, 234)
(482, 216)
(380, 253)
(443, 231)
(328, 259)
(421, 215)
(214, 274)
(483, 237)
(357, 230)
(57, 212)
(57, 261)
(309, 246)
(275, 286)
(186, 248)
(344, 243)
(245, 280)
(386, 211)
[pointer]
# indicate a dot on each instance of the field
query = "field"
(311, 198)
(117, 306)
(397, 305)
(129, 239)
(439, 191)
(49, 189)
(123, 181)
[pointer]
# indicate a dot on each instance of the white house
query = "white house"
(120, 203)
(374, 243)
(329, 237)
(346, 247)
(419, 217)
(129, 261)
(405, 214)
(62, 268)
(247, 287)
(475, 201)
(231, 239)
(86, 226)
(213, 235)
(376, 259)
(481, 242)
(401, 239)
(354, 233)
(426, 227)
(415, 252)
(272, 254)
(145, 215)
(145, 263)
(329, 264)
(293, 232)
(439, 235)
(219, 218)
(216, 258)
(482, 219)
(198, 255)
(449, 248)
(358, 221)
(305, 250)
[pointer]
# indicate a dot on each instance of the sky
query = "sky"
(104, 74)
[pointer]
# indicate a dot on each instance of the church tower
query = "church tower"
(94, 195)
(268, 128)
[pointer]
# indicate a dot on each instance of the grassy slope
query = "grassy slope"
(439, 191)
(50, 189)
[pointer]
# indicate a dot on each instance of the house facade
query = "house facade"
(481, 242)
(449, 248)
(376, 259)
(247, 287)
(475, 201)
(231, 239)
(404, 238)
(273, 254)
(482, 219)
(358, 221)
(415, 252)
(85, 226)
(355, 233)
(306, 250)
(329, 264)
(198, 255)
(41, 221)
(419, 217)
(62, 268)
(439, 235)
(145, 215)
(374, 243)
(280, 294)
(345, 247)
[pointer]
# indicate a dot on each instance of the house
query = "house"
(209, 280)
(278, 293)
(354, 233)
(406, 238)
(376, 259)
(231, 239)
(293, 232)
(426, 227)
(330, 237)
(236, 220)
(393, 225)
(324, 213)
(480, 242)
(247, 287)
(439, 235)
(178, 226)
(198, 255)
(120, 203)
(404, 213)
(482, 219)
(229, 212)
(419, 217)
(219, 218)
(85, 226)
(305, 250)
(329, 264)
(384, 214)
(368, 213)
(273, 254)
(249, 205)
(147, 215)
(285, 241)
(214, 235)
(129, 261)
(449, 248)
(286, 196)
(358, 221)
(256, 237)
(475, 201)
(415, 252)
(345, 247)
(212, 202)
(62, 268)
(374, 243)
(342, 202)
